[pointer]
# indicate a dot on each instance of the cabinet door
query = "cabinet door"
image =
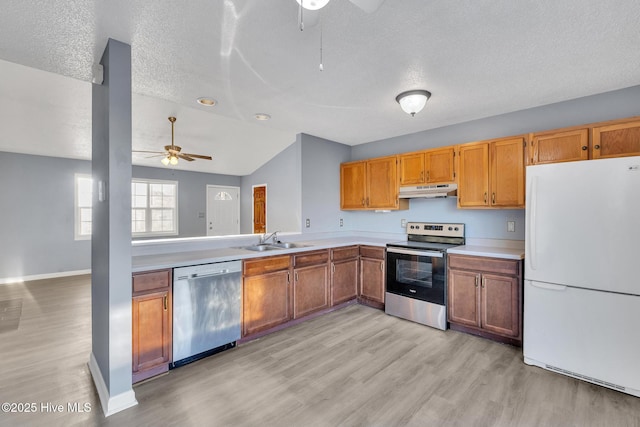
(412, 168)
(382, 183)
(473, 182)
(500, 304)
(464, 297)
(439, 166)
(353, 185)
(558, 147)
(266, 301)
(618, 140)
(507, 173)
(310, 290)
(151, 320)
(372, 279)
(344, 281)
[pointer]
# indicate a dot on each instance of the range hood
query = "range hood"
(429, 191)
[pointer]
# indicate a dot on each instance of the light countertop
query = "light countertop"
(206, 256)
(514, 250)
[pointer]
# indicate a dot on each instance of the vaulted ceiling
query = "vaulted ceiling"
(477, 57)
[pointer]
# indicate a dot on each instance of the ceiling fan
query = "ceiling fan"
(173, 152)
(311, 8)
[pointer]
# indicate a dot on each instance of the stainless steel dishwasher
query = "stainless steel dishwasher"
(206, 310)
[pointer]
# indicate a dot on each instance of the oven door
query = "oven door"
(416, 274)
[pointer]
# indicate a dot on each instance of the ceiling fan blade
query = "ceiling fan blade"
(368, 6)
(185, 157)
(197, 156)
(155, 155)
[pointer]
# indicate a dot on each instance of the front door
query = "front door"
(260, 209)
(223, 210)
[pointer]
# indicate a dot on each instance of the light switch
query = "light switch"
(308, 223)
(511, 226)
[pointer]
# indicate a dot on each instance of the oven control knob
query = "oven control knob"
(412, 227)
(450, 228)
(456, 228)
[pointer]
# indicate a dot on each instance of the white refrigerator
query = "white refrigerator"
(582, 271)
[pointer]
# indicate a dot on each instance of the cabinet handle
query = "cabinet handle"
(493, 198)
(485, 197)
(296, 276)
(428, 175)
(367, 201)
(477, 277)
(422, 176)
(333, 268)
(584, 147)
(363, 201)
(597, 147)
(164, 302)
(484, 282)
(382, 266)
(288, 277)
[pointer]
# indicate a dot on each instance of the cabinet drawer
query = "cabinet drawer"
(338, 254)
(372, 252)
(491, 265)
(311, 258)
(265, 265)
(151, 280)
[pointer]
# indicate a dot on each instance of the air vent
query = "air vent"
(586, 378)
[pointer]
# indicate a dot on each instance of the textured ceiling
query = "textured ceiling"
(478, 58)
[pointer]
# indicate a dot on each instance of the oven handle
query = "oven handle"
(411, 252)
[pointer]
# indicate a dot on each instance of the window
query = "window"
(84, 193)
(154, 207)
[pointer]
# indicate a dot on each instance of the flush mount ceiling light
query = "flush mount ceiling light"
(413, 101)
(313, 4)
(207, 102)
(262, 116)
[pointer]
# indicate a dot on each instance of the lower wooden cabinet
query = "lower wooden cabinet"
(344, 274)
(372, 275)
(485, 296)
(310, 282)
(266, 293)
(152, 324)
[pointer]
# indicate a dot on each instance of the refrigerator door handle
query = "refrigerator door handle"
(531, 240)
(549, 286)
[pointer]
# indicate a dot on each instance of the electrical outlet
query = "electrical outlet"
(341, 222)
(308, 223)
(511, 226)
(403, 223)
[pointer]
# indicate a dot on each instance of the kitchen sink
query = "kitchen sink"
(273, 246)
(260, 248)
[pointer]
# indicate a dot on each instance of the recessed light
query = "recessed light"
(262, 116)
(207, 102)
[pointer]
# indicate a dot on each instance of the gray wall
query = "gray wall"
(487, 223)
(321, 160)
(37, 214)
(282, 177)
(192, 194)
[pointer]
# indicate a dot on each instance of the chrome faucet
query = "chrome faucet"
(264, 238)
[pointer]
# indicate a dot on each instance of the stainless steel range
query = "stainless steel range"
(417, 272)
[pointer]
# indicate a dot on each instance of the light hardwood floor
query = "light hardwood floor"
(353, 367)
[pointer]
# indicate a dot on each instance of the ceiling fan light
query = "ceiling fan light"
(413, 101)
(165, 161)
(173, 160)
(313, 4)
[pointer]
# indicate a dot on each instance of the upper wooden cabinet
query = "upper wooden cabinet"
(559, 146)
(370, 184)
(427, 167)
(492, 174)
(616, 140)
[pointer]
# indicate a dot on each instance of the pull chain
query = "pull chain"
(300, 20)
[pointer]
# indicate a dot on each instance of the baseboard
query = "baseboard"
(7, 280)
(110, 404)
